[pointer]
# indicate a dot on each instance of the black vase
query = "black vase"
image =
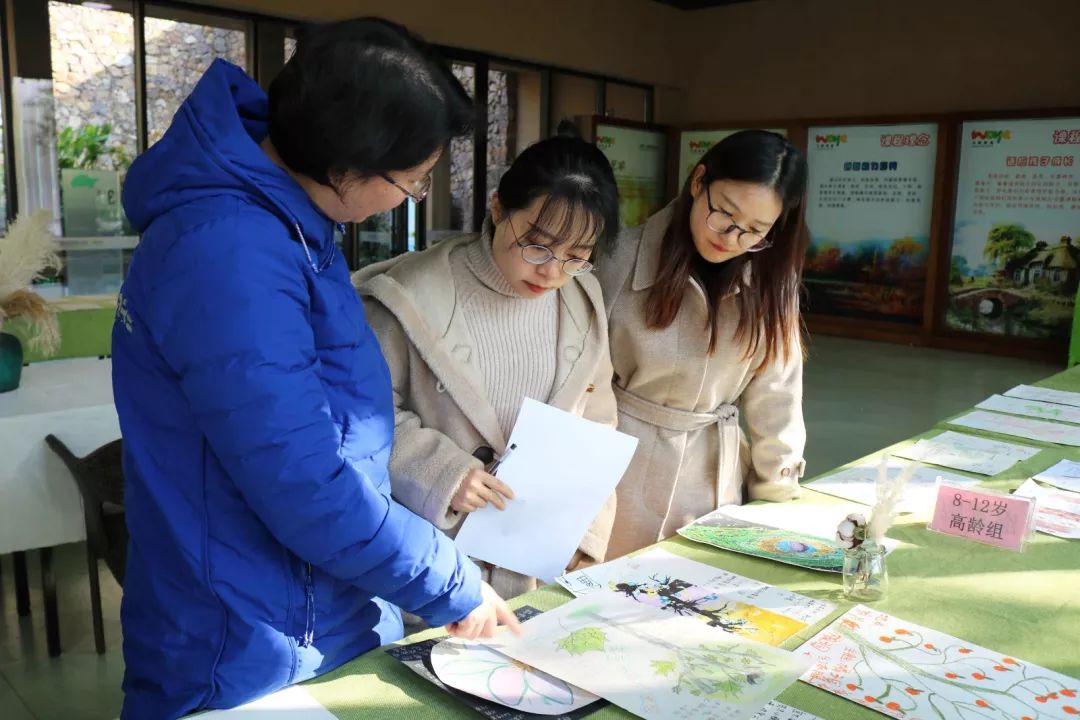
(11, 362)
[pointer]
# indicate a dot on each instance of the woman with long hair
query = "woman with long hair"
(703, 308)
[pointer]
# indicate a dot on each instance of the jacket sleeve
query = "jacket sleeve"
(235, 328)
(601, 408)
(772, 404)
(426, 466)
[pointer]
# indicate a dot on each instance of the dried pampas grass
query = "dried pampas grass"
(29, 308)
(28, 249)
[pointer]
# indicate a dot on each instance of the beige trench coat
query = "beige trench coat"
(442, 412)
(683, 404)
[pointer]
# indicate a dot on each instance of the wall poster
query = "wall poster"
(1015, 258)
(869, 206)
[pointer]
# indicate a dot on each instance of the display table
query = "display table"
(1025, 605)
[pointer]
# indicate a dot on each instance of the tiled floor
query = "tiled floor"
(859, 397)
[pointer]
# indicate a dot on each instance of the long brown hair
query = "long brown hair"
(769, 304)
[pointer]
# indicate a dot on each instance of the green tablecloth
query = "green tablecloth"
(1024, 605)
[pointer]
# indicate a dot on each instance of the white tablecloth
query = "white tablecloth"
(39, 502)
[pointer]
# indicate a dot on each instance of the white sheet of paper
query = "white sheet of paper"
(967, 453)
(657, 665)
(562, 472)
(859, 483)
(292, 703)
(1065, 475)
(1057, 512)
(1031, 408)
(1030, 392)
(726, 586)
(1040, 430)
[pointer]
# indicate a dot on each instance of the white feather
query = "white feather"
(890, 492)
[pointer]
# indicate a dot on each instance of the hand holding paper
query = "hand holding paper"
(561, 472)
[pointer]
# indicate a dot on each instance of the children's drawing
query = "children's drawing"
(712, 607)
(723, 600)
(655, 665)
(480, 671)
(907, 671)
(968, 453)
(583, 640)
(770, 543)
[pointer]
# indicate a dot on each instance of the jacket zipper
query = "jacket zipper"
(309, 607)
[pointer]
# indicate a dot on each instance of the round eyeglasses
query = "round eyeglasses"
(723, 223)
(541, 255)
(422, 188)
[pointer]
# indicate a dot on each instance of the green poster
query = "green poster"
(639, 160)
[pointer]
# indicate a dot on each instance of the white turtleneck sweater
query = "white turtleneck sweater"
(514, 338)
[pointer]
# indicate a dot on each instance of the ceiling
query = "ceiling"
(698, 4)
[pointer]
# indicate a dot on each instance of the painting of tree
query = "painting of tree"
(1007, 241)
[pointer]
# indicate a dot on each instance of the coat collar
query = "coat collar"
(647, 263)
(418, 289)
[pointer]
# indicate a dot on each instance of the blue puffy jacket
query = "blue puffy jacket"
(257, 417)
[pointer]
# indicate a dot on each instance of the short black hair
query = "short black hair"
(575, 179)
(361, 98)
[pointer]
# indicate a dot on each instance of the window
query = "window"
(93, 67)
(514, 106)
(376, 235)
(450, 202)
(180, 45)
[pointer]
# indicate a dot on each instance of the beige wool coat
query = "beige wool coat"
(683, 404)
(442, 413)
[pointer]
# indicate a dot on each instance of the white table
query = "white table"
(40, 505)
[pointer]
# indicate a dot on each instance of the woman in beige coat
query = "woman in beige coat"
(473, 326)
(704, 320)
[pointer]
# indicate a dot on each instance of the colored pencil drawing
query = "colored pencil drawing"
(725, 671)
(713, 608)
(583, 640)
(907, 671)
(784, 546)
(480, 671)
(655, 665)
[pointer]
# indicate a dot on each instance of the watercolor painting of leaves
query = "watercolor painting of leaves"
(724, 671)
(583, 640)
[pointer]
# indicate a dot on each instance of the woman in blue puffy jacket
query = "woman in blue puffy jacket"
(255, 404)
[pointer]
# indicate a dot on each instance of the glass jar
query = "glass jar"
(866, 578)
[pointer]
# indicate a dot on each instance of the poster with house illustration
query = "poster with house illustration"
(1015, 260)
(869, 206)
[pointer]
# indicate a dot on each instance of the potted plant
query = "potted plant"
(92, 166)
(26, 251)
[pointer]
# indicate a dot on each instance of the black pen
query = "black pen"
(495, 465)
